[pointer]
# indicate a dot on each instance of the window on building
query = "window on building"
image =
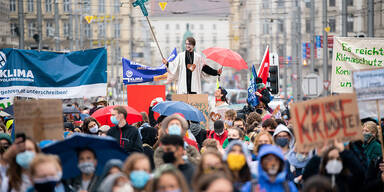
(201, 38)
(30, 5)
(266, 4)
(101, 30)
(12, 5)
(332, 3)
(350, 2)
(308, 4)
(167, 26)
(307, 25)
(281, 26)
(201, 27)
(117, 30)
(332, 24)
(280, 3)
(177, 26)
(167, 38)
(86, 6)
(350, 24)
(48, 5)
(214, 39)
(214, 26)
(118, 53)
(31, 28)
(266, 27)
(101, 6)
(49, 29)
(177, 38)
(192, 26)
(66, 28)
(13, 29)
(117, 6)
(87, 30)
(280, 50)
(67, 5)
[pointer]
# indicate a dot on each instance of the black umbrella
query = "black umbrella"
(70, 110)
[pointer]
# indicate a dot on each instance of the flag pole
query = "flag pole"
(154, 37)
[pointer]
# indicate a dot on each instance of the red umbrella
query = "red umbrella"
(226, 57)
(103, 115)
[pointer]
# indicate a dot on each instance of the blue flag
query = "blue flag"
(252, 98)
(134, 73)
(44, 74)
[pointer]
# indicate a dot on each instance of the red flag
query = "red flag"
(263, 71)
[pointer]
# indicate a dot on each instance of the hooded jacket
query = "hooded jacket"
(108, 183)
(108, 166)
(264, 181)
(280, 128)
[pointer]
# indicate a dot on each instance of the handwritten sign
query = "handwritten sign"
(369, 84)
(326, 119)
(200, 101)
(39, 119)
(353, 54)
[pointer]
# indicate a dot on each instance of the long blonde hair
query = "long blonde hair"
(256, 142)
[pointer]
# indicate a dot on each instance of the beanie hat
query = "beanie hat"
(218, 126)
(6, 137)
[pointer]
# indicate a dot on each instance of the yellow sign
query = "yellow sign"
(88, 18)
(162, 5)
(327, 29)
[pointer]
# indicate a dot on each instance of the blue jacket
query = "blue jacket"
(264, 181)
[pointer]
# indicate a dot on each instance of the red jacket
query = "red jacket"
(221, 138)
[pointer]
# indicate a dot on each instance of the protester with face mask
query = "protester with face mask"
(229, 117)
(343, 168)
(219, 133)
(371, 146)
(173, 146)
(176, 125)
(116, 182)
(87, 163)
(271, 170)
(91, 126)
(167, 178)
(45, 174)
(111, 167)
(5, 143)
(126, 135)
(138, 169)
(269, 125)
(211, 162)
(235, 133)
(19, 166)
(239, 159)
(284, 139)
(298, 159)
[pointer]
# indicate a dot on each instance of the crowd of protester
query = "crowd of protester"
(252, 150)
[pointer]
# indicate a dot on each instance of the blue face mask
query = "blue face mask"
(139, 179)
(25, 158)
(282, 141)
(114, 120)
(174, 130)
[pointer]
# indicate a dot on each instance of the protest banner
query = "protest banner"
(200, 101)
(53, 75)
(39, 119)
(134, 73)
(369, 84)
(5, 102)
(351, 54)
(326, 119)
(139, 97)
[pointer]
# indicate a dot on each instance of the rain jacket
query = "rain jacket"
(221, 138)
(128, 138)
(280, 183)
(280, 128)
(109, 182)
(108, 166)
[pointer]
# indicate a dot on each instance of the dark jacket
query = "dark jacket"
(373, 180)
(188, 170)
(108, 166)
(372, 150)
(128, 137)
(199, 133)
(75, 183)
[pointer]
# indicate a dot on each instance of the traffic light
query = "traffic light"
(274, 79)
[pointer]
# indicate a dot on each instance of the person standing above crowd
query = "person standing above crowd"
(126, 135)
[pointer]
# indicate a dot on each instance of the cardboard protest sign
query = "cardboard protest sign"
(39, 119)
(139, 97)
(354, 54)
(200, 101)
(326, 119)
(369, 84)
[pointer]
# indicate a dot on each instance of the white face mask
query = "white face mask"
(94, 129)
(334, 167)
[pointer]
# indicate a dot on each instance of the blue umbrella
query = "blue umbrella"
(168, 108)
(70, 110)
(106, 148)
